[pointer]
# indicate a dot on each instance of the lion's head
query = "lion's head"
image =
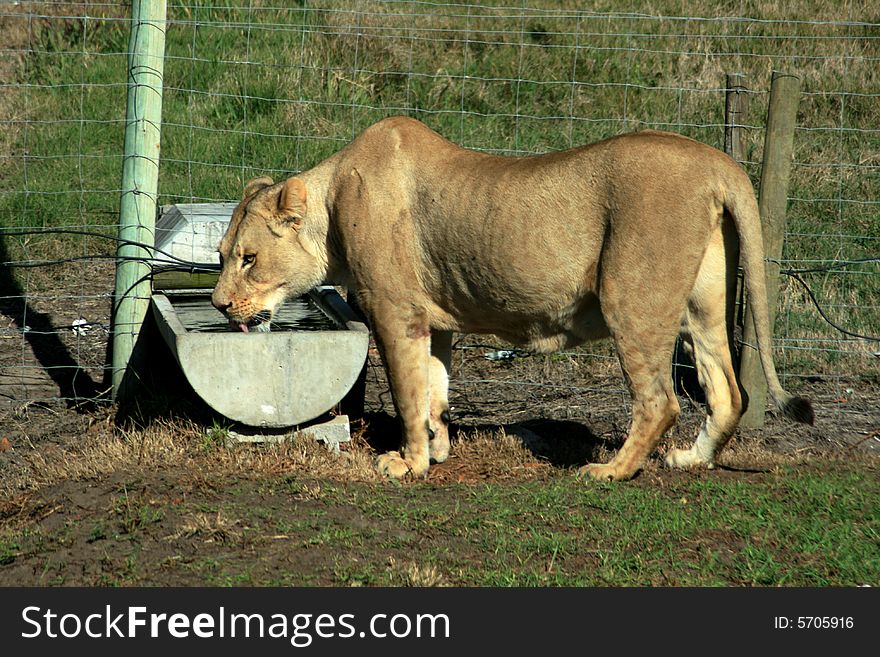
(265, 259)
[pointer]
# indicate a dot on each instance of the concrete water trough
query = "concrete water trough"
(303, 368)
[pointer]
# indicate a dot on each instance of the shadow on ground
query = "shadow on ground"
(75, 385)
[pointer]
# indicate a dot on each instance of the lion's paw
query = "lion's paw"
(438, 448)
(604, 472)
(392, 464)
(686, 458)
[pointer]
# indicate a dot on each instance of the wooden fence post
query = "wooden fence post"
(773, 200)
(140, 176)
(736, 111)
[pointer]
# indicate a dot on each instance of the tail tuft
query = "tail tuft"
(798, 409)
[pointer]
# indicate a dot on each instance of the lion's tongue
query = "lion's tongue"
(238, 326)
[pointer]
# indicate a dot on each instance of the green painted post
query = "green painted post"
(140, 178)
(773, 202)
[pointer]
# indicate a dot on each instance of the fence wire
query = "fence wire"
(271, 88)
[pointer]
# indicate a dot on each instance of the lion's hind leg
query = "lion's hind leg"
(647, 369)
(645, 353)
(642, 305)
(708, 317)
(716, 375)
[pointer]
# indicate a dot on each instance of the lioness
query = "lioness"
(634, 237)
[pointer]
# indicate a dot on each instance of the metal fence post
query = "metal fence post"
(773, 201)
(140, 176)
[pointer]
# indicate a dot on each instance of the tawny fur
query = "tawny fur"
(634, 237)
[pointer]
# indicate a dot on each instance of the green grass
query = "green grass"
(816, 523)
(791, 529)
(277, 87)
(798, 529)
(8, 550)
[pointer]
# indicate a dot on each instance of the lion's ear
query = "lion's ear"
(292, 201)
(255, 185)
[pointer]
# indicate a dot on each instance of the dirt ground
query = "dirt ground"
(74, 472)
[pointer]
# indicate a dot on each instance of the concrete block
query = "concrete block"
(332, 433)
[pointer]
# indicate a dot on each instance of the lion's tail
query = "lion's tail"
(740, 203)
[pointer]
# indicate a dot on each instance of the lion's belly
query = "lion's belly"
(501, 274)
(541, 324)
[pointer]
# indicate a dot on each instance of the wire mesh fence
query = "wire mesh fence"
(271, 88)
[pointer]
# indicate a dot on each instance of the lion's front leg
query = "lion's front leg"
(405, 347)
(438, 382)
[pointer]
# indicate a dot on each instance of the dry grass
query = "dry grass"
(523, 452)
(495, 454)
(209, 527)
(412, 574)
(177, 443)
(15, 38)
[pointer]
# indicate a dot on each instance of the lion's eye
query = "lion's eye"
(248, 260)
